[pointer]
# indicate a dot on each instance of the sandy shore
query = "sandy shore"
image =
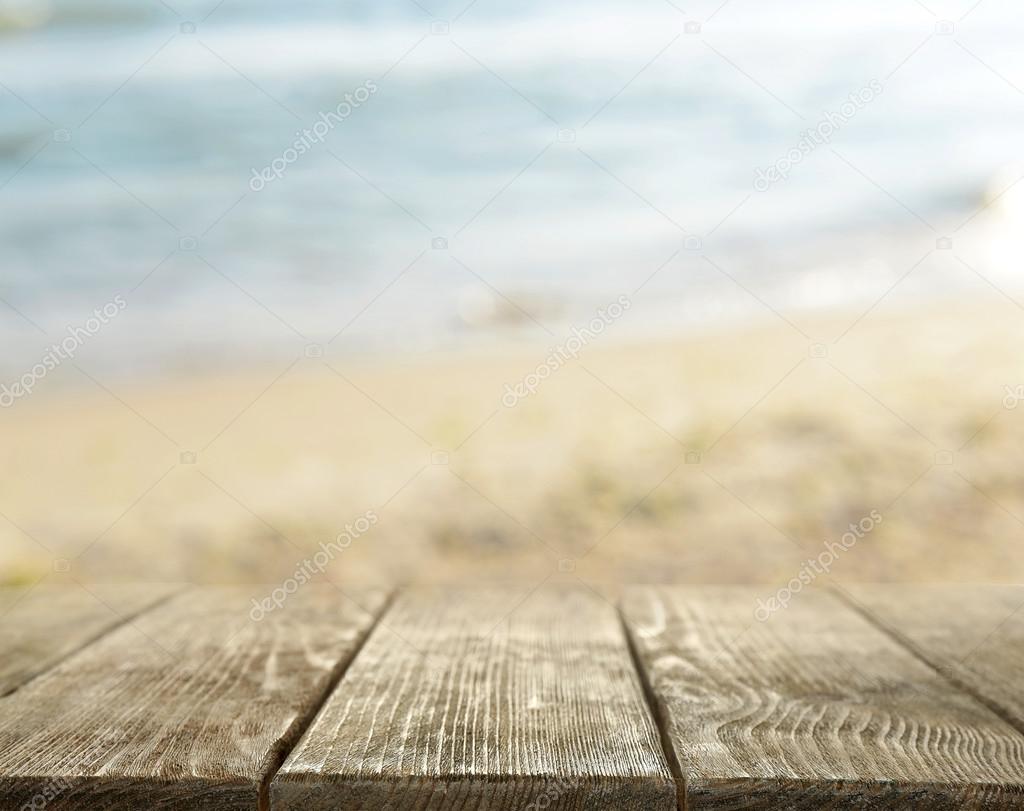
(723, 457)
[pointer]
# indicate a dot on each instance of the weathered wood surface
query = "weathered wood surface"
(813, 708)
(42, 625)
(191, 706)
(973, 633)
(468, 700)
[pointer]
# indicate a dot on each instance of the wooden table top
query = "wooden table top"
(667, 697)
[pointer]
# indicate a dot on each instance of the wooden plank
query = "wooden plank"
(477, 699)
(812, 708)
(190, 707)
(972, 633)
(41, 625)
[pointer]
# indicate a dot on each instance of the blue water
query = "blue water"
(559, 162)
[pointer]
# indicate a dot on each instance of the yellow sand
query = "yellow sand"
(587, 478)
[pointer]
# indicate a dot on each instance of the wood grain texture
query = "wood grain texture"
(972, 633)
(475, 699)
(813, 708)
(189, 707)
(41, 625)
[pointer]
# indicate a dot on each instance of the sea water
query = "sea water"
(226, 170)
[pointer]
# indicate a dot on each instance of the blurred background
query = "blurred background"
(646, 291)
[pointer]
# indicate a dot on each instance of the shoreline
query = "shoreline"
(509, 344)
(691, 296)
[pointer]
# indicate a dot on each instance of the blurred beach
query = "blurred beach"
(750, 272)
(733, 456)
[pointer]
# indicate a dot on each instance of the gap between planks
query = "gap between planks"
(122, 620)
(655, 709)
(279, 754)
(915, 650)
(674, 632)
(265, 757)
(551, 710)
